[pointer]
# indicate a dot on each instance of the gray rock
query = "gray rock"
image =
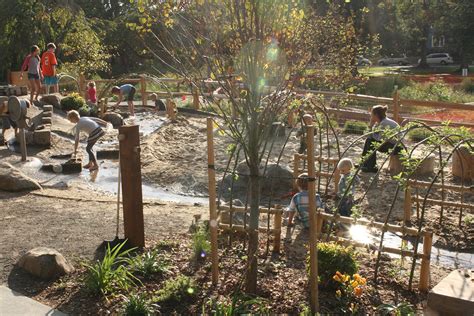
(51, 99)
(277, 179)
(12, 179)
(45, 263)
(114, 118)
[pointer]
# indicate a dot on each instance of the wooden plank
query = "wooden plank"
(241, 228)
(455, 188)
(444, 203)
(319, 158)
(241, 209)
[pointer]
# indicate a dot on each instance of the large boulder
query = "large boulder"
(51, 99)
(45, 263)
(12, 179)
(278, 179)
(113, 118)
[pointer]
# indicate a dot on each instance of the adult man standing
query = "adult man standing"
(48, 65)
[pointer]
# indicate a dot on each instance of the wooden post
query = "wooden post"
(296, 169)
(313, 243)
(82, 86)
(130, 169)
(195, 98)
(143, 90)
(425, 262)
(407, 205)
(396, 106)
(292, 118)
(21, 134)
(337, 177)
(277, 232)
(211, 173)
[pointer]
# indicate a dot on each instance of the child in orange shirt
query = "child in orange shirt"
(48, 65)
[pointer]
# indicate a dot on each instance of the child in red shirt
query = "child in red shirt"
(91, 93)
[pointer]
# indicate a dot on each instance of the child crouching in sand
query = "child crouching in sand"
(92, 127)
(346, 201)
(300, 202)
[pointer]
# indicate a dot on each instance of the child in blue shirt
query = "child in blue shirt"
(300, 202)
(346, 202)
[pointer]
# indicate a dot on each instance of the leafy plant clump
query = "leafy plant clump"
(333, 258)
(137, 305)
(201, 245)
(176, 290)
(240, 305)
(400, 309)
(419, 134)
(355, 127)
(110, 274)
(149, 263)
(75, 102)
(468, 85)
(349, 291)
(436, 91)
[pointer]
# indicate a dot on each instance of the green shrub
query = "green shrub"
(436, 91)
(333, 257)
(401, 309)
(74, 102)
(137, 305)
(418, 134)
(384, 86)
(468, 85)
(355, 127)
(148, 263)
(176, 290)
(201, 245)
(111, 273)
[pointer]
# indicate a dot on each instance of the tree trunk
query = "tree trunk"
(251, 275)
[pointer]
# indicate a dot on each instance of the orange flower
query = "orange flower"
(362, 281)
(356, 276)
(358, 291)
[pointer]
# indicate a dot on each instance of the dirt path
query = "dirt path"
(75, 222)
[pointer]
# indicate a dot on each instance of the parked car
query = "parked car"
(438, 58)
(362, 61)
(403, 60)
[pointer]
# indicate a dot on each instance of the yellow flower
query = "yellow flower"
(346, 278)
(362, 281)
(338, 293)
(354, 284)
(358, 291)
(356, 276)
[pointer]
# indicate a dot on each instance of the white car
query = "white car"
(362, 61)
(401, 61)
(438, 58)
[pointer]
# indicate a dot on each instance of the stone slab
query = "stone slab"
(108, 154)
(454, 295)
(13, 303)
(42, 137)
(48, 107)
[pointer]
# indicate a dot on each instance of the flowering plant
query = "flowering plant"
(349, 290)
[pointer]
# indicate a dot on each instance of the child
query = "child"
(91, 94)
(48, 65)
(346, 202)
(128, 91)
(300, 202)
(159, 105)
(32, 64)
(91, 126)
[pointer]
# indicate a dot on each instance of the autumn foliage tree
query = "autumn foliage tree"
(258, 52)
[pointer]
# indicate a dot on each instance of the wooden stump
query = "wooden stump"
(426, 167)
(463, 164)
(395, 165)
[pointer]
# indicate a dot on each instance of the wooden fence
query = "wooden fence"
(396, 104)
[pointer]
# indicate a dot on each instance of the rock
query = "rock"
(12, 179)
(114, 118)
(278, 179)
(42, 137)
(45, 263)
(51, 99)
